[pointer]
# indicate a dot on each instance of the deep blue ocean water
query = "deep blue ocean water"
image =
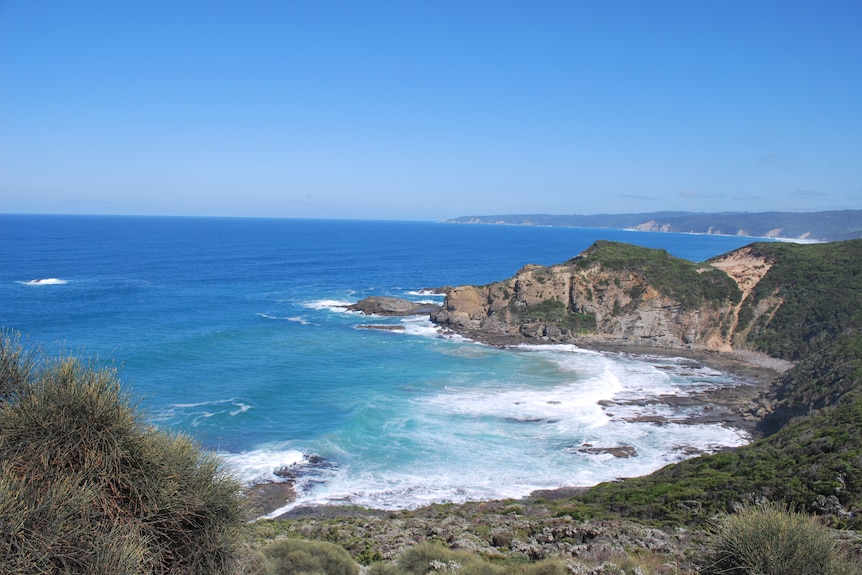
(233, 330)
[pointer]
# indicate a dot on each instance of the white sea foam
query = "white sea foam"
(240, 408)
(297, 319)
(509, 437)
(424, 327)
(259, 465)
(44, 282)
(569, 406)
(565, 347)
(426, 293)
(333, 305)
(513, 468)
(421, 326)
(195, 413)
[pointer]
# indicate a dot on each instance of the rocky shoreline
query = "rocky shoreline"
(532, 528)
(741, 406)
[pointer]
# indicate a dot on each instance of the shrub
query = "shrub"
(296, 557)
(429, 557)
(17, 365)
(770, 540)
(86, 486)
(433, 558)
(545, 567)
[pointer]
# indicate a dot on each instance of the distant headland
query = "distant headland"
(810, 226)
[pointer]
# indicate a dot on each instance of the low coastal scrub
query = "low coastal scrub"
(86, 487)
(762, 539)
(297, 557)
(435, 558)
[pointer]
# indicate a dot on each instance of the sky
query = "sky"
(429, 109)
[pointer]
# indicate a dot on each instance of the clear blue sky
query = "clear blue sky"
(429, 109)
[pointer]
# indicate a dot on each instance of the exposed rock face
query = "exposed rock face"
(392, 306)
(591, 299)
(746, 269)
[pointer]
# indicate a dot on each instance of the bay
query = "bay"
(233, 330)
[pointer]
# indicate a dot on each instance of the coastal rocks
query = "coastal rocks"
(263, 498)
(382, 327)
(392, 306)
(620, 451)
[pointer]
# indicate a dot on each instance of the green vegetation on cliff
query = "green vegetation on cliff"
(820, 292)
(690, 284)
(554, 312)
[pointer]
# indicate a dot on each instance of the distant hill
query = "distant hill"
(821, 226)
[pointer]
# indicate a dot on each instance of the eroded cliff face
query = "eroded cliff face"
(588, 299)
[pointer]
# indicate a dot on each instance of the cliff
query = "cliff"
(613, 292)
(620, 294)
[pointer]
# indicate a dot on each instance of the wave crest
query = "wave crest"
(44, 282)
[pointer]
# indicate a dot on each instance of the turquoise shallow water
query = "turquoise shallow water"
(233, 330)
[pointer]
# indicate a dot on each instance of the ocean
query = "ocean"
(234, 331)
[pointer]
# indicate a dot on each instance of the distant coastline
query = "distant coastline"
(803, 227)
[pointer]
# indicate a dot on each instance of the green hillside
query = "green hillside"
(680, 279)
(812, 451)
(820, 286)
(812, 461)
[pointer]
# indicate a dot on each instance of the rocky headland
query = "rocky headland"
(619, 296)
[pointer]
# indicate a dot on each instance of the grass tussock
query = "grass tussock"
(768, 539)
(86, 486)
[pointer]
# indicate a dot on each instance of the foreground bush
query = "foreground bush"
(769, 540)
(295, 557)
(86, 486)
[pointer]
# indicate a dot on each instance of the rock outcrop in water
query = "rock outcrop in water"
(392, 306)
